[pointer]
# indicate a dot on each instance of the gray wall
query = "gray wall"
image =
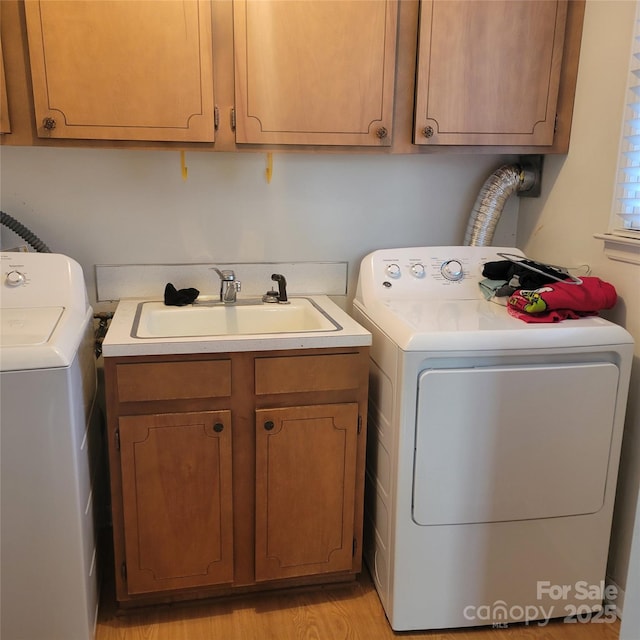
(133, 206)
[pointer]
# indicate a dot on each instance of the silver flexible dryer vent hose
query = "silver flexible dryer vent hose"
(491, 200)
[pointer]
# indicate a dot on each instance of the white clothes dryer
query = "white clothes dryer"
(493, 447)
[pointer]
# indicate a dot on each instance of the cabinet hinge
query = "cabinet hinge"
(359, 423)
(555, 124)
(354, 548)
(216, 118)
(233, 119)
(123, 571)
(117, 439)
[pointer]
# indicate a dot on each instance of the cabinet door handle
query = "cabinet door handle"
(382, 132)
(268, 425)
(218, 427)
(49, 124)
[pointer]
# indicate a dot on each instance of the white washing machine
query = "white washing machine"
(48, 585)
(493, 447)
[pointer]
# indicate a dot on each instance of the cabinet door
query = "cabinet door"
(488, 71)
(177, 501)
(134, 70)
(5, 126)
(315, 72)
(305, 490)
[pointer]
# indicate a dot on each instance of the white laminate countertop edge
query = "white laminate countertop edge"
(120, 342)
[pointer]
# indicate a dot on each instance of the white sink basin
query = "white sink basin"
(155, 320)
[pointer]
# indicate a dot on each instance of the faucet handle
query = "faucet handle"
(229, 286)
(226, 274)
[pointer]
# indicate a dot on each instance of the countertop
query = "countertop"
(119, 340)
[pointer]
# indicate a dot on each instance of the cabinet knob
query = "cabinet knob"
(428, 132)
(49, 123)
(268, 425)
(381, 132)
(218, 427)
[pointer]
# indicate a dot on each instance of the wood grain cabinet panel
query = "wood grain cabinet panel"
(236, 471)
(134, 70)
(177, 500)
(5, 125)
(174, 380)
(317, 72)
(489, 71)
(382, 76)
(305, 487)
(295, 374)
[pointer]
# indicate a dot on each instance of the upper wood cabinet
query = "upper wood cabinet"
(489, 71)
(310, 72)
(133, 70)
(379, 76)
(5, 126)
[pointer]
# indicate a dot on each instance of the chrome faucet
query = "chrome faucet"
(229, 286)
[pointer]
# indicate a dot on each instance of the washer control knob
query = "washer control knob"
(15, 278)
(452, 270)
(418, 270)
(393, 270)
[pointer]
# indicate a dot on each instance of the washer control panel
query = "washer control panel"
(426, 272)
(41, 280)
(15, 278)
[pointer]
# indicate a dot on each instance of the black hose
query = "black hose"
(23, 232)
(104, 318)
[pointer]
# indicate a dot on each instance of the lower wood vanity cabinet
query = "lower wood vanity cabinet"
(235, 472)
(177, 500)
(305, 490)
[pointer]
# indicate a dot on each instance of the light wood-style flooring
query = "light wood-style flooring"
(342, 612)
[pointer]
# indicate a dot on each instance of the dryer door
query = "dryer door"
(502, 443)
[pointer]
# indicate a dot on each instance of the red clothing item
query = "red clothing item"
(561, 300)
(549, 316)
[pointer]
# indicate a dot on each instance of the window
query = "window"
(622, 242)
(626, 205)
